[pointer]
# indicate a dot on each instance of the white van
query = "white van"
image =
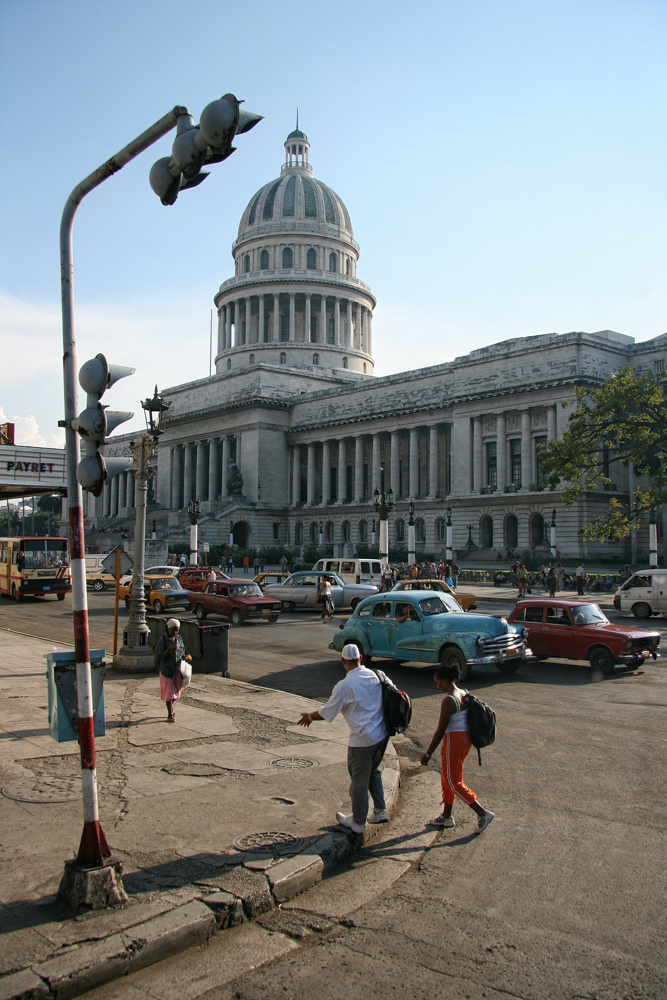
(97, 576)
(645, 593)
(353, 570)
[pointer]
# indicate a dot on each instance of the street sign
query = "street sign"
(109, 562)
(205, 547)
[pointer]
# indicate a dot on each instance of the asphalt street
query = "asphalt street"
(563, 895)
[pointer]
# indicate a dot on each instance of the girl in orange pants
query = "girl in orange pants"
(453, 726)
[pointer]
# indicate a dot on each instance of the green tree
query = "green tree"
(625, 421)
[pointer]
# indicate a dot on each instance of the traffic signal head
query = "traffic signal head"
(96, 422)
(198, 145)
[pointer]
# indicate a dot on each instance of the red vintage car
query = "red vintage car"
(238, 600)
(195, 579)
(578, 630)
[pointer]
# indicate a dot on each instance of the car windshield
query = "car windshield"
(245, 590)
(435, 606)
(166, 583)
(588, 614)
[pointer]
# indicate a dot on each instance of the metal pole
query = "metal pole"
(448, 544)
(193, 544)
(93, 847)
(653, 543)
(115, 607)
(412, 556)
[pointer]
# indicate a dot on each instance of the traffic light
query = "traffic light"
(96, 421)
(195, 146)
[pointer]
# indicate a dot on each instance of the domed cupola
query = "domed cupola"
(295, 281)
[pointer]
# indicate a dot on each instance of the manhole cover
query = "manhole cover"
(269, 842)
(44, 789)
(292, 763)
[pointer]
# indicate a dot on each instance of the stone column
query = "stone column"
(201, 476)
(337, 321)
(247, 339)
(326, 472)
(106, 501)
(114, 496)
(433, 462)
(187, 475)
(526, 463)
(176, 478)
(342, 470)
(310, 475)
(307, 320)
(357, 327)
(477, 469)
(394, 483)
(225, 459)
(213, 469)
(260, 321)
(414, 462)
(276, 317)
(131, 491)
(375, 476)
(501, 452)
(228, 326)
(369, 337)
(349, 339)
(551, 423)
(359, 468)
(292, 316)
(122, 490)
(323, 314)
(296, 474)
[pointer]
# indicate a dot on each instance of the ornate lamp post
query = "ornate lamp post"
(448, 536)
(136, 655)
(320, 537)
(553, 533)
(384, 504)
(373, 534)
(194, 511)
(412, 556)
(653, 541)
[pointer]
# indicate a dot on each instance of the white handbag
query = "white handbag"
(185, 669)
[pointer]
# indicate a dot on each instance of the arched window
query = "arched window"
(345, 529)
(251, 359)
(311, 260)
(288, 257)
(363, 531)
(399, 529)
(316, 359)
(347, 266)
(364, 367)
(283, 358)
(344, 362)
(298, 533)
(511, 531)
(229, 363)
(333, 266)
(264, 260)
(536, 530)
(440, 532)
(486, 532)
(329, 531)
(420, 530)
(246, 263)
(314, 532)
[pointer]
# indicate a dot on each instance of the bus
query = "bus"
(34, 566)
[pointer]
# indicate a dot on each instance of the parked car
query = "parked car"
(238, 600)
(163, 593)
(435, 630)
(270, 576)
(300, 590)
(467, 601)
(160, 571)
(97, 576)
(352, 570)
(578, 630)
(644, 593)
(196, 579)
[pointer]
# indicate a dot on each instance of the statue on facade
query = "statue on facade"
(234, 479)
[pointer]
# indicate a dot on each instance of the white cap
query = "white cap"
(351, 652)
(173, 623)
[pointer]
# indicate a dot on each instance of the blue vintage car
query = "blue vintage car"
(426, 627)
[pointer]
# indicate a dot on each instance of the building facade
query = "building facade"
(295, 408)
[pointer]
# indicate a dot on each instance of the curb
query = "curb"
(224, 901)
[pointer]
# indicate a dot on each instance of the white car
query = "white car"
(300, 590)
(153, 571)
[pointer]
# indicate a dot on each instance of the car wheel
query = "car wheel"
(236, 617)
(288, 605)
(15, 593)
(127, 603)
(354, 603)
(453, 657)
(157, 606)
(98, 585)
(509, 666)
(272, 619)
(602, 660)
(61, 597)
(641, 610)
(200, 612)
(366, 659)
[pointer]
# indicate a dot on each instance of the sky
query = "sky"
(503, 163)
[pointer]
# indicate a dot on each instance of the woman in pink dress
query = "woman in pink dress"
(168, 654)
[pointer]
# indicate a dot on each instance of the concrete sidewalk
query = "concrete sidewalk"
(216, 819)
(488, 592)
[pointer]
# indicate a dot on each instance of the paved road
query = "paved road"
(563, 896)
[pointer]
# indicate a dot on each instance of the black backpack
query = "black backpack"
(481, 723)
(396, 706)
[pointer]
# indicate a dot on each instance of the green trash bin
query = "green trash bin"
(207, 644)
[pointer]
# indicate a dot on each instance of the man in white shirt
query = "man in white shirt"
(359, 697)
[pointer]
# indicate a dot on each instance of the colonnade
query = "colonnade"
(505, 449)
(413, 461)
(198, 469)
(324, 319)
(118, 494)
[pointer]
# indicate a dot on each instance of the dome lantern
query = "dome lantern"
(296, 150)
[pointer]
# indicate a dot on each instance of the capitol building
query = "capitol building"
(295, 409)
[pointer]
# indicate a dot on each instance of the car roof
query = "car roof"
(559, 602)
(404, 596)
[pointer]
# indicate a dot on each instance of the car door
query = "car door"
(659, 592)
(304, 592)
(531, 618)
(379, 629)
(557, 633)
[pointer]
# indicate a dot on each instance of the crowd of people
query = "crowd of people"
(553, 577)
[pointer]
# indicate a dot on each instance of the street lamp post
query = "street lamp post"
(553, 534)
(449, 554)
(412, 556)
(320, 537)
(384, 504)
(194, 512)
(373, 535)
(653, 541)
(231, 533)
(136, 655)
